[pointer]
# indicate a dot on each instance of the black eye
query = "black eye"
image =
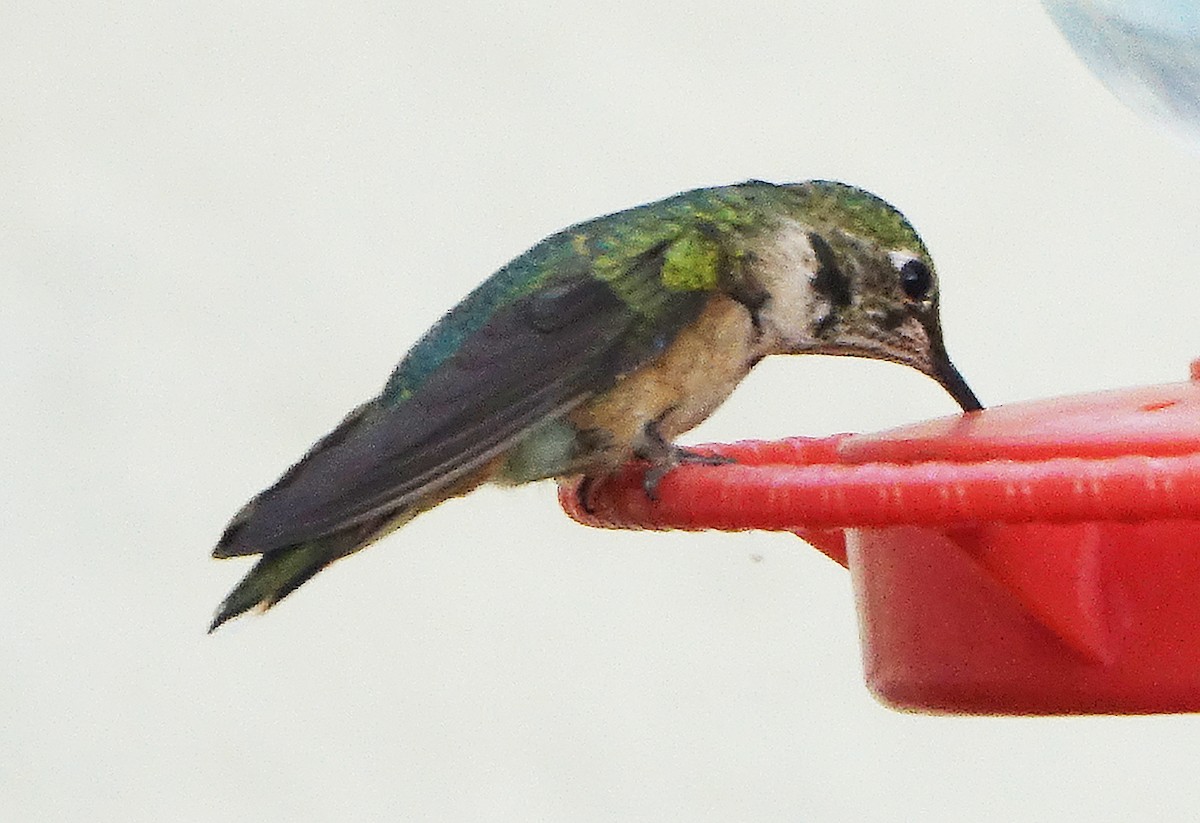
(916, 280)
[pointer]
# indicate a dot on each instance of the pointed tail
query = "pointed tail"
(276, 575)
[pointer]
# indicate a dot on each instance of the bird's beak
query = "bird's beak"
(939, 367)
(944, 372)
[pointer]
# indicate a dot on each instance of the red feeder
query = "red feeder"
(1037, 558)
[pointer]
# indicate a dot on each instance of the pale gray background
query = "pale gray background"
(222, 224)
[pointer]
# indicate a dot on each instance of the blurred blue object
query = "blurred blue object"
(1146, 51)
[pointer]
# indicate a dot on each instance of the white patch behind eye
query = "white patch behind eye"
(899, 258)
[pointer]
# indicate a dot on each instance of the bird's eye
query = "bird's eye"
(916, 280)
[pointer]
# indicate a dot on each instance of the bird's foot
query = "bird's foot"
(664, 456)
(677, 457)
(583, 493)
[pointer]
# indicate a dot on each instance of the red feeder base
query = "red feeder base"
(1039, 558)
(942, 631)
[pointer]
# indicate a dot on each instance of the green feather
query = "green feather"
(856, 212)
(692, 263)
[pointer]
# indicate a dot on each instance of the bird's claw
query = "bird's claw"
(677, 456)
(583, 493)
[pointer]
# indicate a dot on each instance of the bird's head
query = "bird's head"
(847, 274)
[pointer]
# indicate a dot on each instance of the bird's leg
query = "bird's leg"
(663, 456)
(592, 444)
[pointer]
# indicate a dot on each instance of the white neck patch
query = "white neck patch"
(786, 266)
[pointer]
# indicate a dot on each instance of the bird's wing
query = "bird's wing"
(535, 357)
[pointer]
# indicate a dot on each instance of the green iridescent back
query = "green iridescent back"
(699, 233)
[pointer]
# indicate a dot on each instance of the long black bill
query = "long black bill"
(953, 382)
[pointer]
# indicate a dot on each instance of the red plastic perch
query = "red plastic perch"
(1036, 558)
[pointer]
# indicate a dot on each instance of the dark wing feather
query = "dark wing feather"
(535, 358)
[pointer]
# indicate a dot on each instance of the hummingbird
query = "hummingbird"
(601, 344)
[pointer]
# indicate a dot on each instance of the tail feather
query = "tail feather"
(276, 575)
(280, 572)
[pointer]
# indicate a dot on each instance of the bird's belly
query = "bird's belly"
(676, 391)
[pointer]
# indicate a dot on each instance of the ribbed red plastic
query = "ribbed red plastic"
(1033, 558)
(786, 497)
